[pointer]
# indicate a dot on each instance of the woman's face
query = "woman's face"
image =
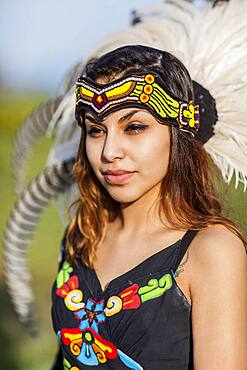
(128, 151)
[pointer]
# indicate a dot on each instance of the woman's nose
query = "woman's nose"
(113, 148)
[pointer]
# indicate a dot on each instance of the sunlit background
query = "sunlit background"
(40, 41)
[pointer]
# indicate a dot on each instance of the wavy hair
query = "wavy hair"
(187, 198)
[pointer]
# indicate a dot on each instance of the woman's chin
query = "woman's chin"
(124, 195)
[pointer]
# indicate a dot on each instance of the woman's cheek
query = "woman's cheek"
(154, 151)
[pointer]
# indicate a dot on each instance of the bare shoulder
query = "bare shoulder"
(215, 251)
(218, 291)
(217, 244)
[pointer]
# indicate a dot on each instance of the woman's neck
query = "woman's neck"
(141, 215)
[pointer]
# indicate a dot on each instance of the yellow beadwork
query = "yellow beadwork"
(144, 98)
(139, 90)
(148, 89)
(157, 98)
(99, 99)
(190, 113)
(149, 78)
(121, 90)
(86, 92)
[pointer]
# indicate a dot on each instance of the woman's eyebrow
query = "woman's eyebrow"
(128, 115)
(93, 119)
(121, 119)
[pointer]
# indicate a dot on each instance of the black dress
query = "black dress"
(141, 321)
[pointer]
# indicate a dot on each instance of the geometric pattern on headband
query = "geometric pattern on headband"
(143, 91)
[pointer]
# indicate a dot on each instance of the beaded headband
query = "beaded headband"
(143, 91)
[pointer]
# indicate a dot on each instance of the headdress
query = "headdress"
(219, 70)
(142, 91)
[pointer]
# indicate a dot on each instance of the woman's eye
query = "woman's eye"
(131, 130)
(94, 131)
(135, 129)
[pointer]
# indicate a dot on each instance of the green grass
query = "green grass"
(20, 351)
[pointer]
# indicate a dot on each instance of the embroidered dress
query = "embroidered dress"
(141, 321)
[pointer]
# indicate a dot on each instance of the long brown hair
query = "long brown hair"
(187, 197)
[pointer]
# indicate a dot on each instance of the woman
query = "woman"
(144, 282)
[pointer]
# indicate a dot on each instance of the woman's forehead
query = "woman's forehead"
(121, 114)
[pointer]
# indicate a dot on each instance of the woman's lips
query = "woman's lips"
(117, 178)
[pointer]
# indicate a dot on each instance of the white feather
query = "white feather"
(212, 43)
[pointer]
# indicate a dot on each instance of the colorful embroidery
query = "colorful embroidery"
(84, 341)
(67, 366)
(72, 283)
(88, 346)
(113, 305)
(92, 315)
(155, 288)
(127, 299)
(129, 362)
(91, 349)
(63, 274)
(72, 296)
(146, 91)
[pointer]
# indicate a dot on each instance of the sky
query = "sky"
(41, 40)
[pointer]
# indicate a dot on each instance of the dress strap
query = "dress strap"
(184, 244)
